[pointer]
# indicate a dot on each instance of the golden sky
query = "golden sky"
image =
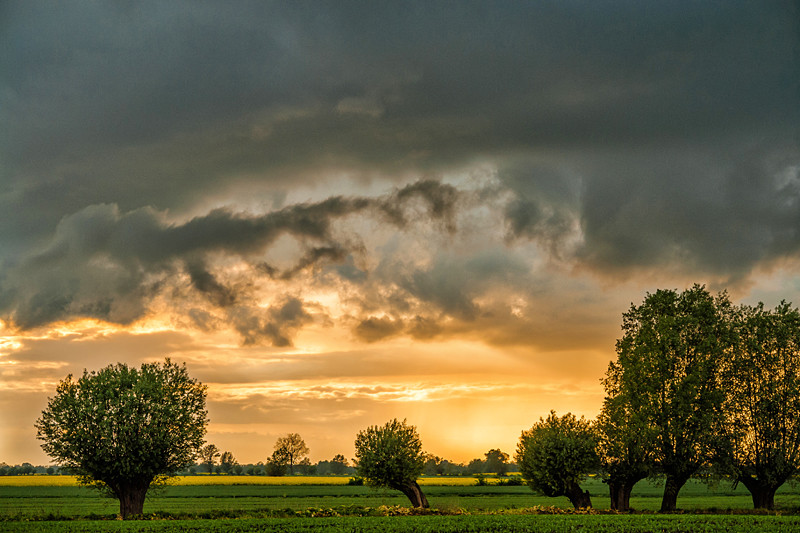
(336, 214)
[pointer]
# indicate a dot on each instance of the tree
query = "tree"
(208, 456)
(227, 462)
(123, 430)
(476, 466)
(497, 462)
(556, 454)
(338, 465)
(668, 373)
(762, 406)
(625, 444)
(391, 456)
(434, 465)
(289, 451)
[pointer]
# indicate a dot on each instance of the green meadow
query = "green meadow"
(231, 503)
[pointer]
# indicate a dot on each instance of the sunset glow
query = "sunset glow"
(337, 214)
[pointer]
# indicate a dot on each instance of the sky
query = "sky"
(337, 213)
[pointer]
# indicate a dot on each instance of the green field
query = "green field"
(435, 524)
(42, 503)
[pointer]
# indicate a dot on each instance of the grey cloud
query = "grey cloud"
(374, 329)
(103, 263)
(206, 283)
(170, 99)
(275, 325)
(647, 127)
(692, 214)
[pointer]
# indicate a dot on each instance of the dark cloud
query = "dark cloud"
(716, 217)
(374, 329)
(625, 136)
(275, 325)
(103, 263)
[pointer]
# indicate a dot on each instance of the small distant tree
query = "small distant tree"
(123, 430)
(762, 383)
(208, 456)
(273, 468)
(391, 456)
(227, 462)
(497, 462)
(338, 465)
(434, 465)
(476, 466)
(290, 451)
(556, 454)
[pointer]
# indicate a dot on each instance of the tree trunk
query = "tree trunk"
(131, 500)
(415, 494)
(580, 499)
(763, 493)
(669, 502)
(620, 492)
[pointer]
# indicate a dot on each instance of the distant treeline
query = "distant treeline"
(27, 469)
(434, 466)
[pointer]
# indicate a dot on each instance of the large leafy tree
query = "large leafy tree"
(124, 430)
(289, 451)
(762, 380)
(669, 359)
(391, 456)
(625, 443)
(556, 454)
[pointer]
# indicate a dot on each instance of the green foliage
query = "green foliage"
(496, 462)
(208, 456)
(227, 462)
(557, 453)
(289, 451)
(331, 520)
(124, 429)
(762, 384)
(666, 379)
(390, 456)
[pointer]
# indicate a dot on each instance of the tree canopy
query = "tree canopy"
(556, 454)
(762, 405)
(667, 371)
(497, 462)
(391, 456)
(289, 451)
(208, 456)
(123, 429)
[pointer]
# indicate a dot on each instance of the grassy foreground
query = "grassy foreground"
(245, 503)
(436, 524)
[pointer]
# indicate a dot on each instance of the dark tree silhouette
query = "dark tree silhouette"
(289, 451)
(762, 381)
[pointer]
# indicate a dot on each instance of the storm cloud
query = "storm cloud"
(148, 147)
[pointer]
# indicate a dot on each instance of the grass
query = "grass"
(438, 524)
(294, 503)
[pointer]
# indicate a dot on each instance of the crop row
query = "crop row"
(432, 524)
